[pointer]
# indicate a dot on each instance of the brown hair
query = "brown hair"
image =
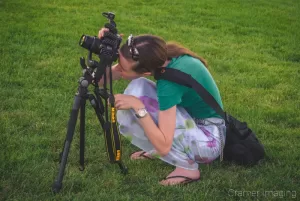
(154, 51)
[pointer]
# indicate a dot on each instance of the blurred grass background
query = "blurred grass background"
(253, 52)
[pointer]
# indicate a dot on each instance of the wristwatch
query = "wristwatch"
(141, 113)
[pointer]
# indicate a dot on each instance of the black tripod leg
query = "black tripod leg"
(96, 105)
(124, 169)
(82, 133)
(70, 132)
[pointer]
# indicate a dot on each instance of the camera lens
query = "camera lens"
(86, 42)
(82, 40)
(90, 43)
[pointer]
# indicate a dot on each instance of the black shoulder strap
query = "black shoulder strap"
(187, 80)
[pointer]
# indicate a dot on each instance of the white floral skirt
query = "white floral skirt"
(193, 142)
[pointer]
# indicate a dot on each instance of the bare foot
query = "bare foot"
(181, 176)
(139, 155)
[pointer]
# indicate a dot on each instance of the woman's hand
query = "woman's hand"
(126, 102)
(102, 31)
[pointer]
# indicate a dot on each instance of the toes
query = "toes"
(136, 155)
(140, 155)
(171, 182)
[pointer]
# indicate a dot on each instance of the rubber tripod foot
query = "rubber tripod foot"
(56, 187)
(124, 169)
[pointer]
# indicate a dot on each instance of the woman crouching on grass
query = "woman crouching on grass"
(166, 120)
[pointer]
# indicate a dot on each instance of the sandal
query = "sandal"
(141, 156)
(186, 180)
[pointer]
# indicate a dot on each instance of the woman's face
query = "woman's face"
(125, 68)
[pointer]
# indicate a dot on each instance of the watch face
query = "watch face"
(142, 112)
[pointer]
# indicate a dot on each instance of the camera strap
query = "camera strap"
(111, 131)
(187, 80)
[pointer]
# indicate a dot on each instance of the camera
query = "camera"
(108, 45)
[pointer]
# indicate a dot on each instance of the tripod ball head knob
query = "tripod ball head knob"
(84, 83)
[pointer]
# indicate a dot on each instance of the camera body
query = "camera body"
(106, 47)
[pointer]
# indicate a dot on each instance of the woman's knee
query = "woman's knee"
(140, 82)
(140, 86)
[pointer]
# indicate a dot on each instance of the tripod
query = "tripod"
(110, 131)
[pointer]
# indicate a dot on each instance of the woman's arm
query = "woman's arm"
(161, 136)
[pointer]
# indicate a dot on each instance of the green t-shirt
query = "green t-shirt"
(170, 93)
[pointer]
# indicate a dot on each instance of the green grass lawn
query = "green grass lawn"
(254, 55)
